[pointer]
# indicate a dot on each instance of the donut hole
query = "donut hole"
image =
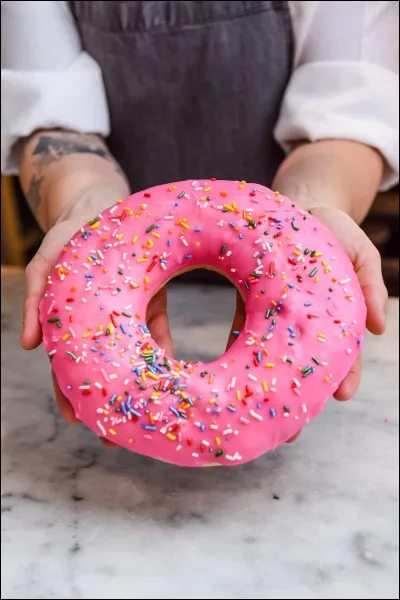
(201, 307)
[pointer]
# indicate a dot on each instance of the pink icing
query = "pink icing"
(305, 321)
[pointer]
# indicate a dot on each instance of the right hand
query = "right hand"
(37, 272)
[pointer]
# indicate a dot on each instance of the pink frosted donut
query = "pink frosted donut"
(305, 321)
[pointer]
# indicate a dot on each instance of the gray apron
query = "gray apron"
(193, 88)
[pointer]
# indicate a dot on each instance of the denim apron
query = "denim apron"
(194, 88)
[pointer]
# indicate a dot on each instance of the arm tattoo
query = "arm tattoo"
(52, 146)
(33, 193)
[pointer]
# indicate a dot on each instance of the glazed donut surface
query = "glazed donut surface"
(305, 322)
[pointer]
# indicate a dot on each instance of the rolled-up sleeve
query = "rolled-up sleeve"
(47, 81)
(345, 82)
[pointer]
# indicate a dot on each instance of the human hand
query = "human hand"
(367, 265)
(36, 277)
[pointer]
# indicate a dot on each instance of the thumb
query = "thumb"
(36, 275)
(157, 321)
(369, 272)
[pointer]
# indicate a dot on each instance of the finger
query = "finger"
(159, 329)
(36, 276)
(238, 320)
(109, 445)
(157, 321)
(369, 272)
(349, 385)
(293, 438)
(65, 408)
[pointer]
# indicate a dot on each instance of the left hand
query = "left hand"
(367, 264)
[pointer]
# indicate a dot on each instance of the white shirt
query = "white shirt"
(344, 82)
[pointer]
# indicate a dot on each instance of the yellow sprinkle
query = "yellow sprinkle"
(150, 374)
(171, 436)
(217, 441)
(212, 401)
(85, 335)
(146, 279)
(90, 259)
(316, 279)
(265, 386)
(227, 207)
(296, 252)
(65, 337)
(207, 189)
(270, 365)
(134, 239)
(322, 335)
(95, 225)
(141, 260)
(143, 376)
(156, 235)
(172, 188)
(238, 395)
(112, 431)
(119, 202)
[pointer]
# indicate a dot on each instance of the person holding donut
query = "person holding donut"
(298, 96)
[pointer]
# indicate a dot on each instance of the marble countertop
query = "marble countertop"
(317, 519)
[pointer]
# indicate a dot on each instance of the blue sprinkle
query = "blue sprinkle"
(240, 236)
(307, 303)
(232, 224)
(231, 408)
(188, 256)
(128, 402)
(148, 427)
(291, 329)
(123, 328)
(273, 413)
(97, 293)
(136, 413)
(259, 405)
(113, 398)
(170, 243)
(102, 353)
(93, 257)
(108, 359)
(93, 349)
(291, 285)
(259, 356)
(89, 275)
(123, 408)
(235, 332)
(197, 229)
(172, 409)
(202, 427)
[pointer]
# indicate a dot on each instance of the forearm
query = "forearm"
(63, 172)
(336, 173)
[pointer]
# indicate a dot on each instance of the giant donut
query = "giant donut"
(305, 322)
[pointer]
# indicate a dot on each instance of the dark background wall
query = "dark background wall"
(21, 236)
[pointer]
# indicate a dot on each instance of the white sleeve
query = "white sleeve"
(345, 82)
(46, 79)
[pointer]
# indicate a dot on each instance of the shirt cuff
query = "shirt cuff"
(73, 99)
(344, 100)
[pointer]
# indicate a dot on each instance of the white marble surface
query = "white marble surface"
(318, 519)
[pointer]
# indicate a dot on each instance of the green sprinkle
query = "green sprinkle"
(58, 324)
(313, 253)
(315, 359)
(223, 248)
(313, 272)
(53, 320)
(266, 232)
(268, 314)
(71, 354)
(256, 275)
(150, 228)
(219, 453)
(142, 387)
(294, 226)
(181, 194)
(126, 314)
(86, 382)
(286, 409)
(120, 272)
(306, 251)
(246, 285)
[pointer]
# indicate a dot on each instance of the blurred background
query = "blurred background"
(21, 236)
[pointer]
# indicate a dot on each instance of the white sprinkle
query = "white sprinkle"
(255, 415)
(250, 376)
(100, 426)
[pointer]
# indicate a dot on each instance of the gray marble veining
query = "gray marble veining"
(317, 519)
